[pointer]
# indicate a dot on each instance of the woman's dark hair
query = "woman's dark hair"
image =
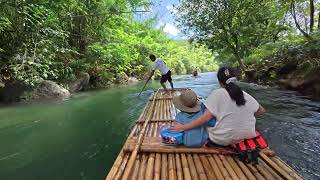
(235, 92)
(152, 57)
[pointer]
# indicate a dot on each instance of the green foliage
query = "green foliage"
(59, 39)
(234, 27)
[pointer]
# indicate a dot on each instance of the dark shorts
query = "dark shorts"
(166, 77)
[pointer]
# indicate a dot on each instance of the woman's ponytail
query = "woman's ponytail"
(226, 76)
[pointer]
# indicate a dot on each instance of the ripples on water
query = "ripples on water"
(81, 137)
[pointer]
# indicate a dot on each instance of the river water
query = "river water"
(79, 138)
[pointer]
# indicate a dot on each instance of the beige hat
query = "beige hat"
(187, 102)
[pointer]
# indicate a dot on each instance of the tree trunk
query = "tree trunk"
(293, 13)
(311, 15)
(242, 67)
(319, 21)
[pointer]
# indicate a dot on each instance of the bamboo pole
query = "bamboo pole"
(245, 170)
(140, 138)
(287, 168)
(186, 170)
(275, 166)
(172, 167)
(236, 168)
(179, 167)
(164, 167)
(255, 172)
(221, 167)
(193, 171)
(115, 167)
(122, 167)
(264, 172)
(269, 169)
(157, 167)
(199, 167)
(229, 168)
(207, 167)
(136, 168)
(143, 166)
(215, 168)
(150, 167)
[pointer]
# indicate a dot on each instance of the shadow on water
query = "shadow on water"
(80, 138)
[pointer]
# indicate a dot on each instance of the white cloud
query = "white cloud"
(171, 29)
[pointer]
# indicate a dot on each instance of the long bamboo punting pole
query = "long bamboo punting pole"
(199, 167)
(193, 171)
(140, 139)
(276, 167)
(207, 167)
(215, 168)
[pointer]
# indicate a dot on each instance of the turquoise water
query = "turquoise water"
(79, 138)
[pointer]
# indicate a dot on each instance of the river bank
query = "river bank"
(293, 67)
(79, 138)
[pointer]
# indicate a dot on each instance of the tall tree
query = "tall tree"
(311, 15)
(236, 26)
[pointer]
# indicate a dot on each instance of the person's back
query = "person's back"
(234, 122)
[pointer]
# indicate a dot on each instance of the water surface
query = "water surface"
(79, 138)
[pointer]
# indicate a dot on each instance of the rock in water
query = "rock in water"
(80, 83)
(132, 80)
(46, 90)
(122, 78)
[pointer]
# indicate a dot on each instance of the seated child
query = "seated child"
(191, 109)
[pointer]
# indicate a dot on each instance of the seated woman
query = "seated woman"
(234, 109)
(190, 109)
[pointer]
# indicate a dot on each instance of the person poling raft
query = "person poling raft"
(159, 64)
(227, 119)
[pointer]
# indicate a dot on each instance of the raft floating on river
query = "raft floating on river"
(144, 157)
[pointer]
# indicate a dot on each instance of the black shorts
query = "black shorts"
(166, 77)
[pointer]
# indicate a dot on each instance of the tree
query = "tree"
(236, 26)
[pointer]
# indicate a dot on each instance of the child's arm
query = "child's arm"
(206, 116)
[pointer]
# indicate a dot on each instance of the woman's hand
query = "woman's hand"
(177, 127)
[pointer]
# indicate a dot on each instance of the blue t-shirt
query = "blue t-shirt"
(195, 137)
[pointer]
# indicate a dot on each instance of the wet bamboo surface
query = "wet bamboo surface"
(144, 157)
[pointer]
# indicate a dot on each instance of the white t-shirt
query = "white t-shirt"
(159, 64)
(234, 123)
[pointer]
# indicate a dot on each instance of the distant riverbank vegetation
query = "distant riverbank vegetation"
(56, 40)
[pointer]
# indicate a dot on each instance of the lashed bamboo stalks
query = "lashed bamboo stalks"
(185, 167)
(207, 167)
(199, 167)
(157, 167)
(156, 161)
(140, 138)
(215, 168)
(179, 167)
(193, 171)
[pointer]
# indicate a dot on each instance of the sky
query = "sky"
(163, 10)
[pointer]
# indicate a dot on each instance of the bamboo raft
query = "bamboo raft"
(144, 157)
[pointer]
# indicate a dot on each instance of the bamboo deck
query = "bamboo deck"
(143, 156)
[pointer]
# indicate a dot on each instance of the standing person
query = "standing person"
(164, 70)
(234, 109)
